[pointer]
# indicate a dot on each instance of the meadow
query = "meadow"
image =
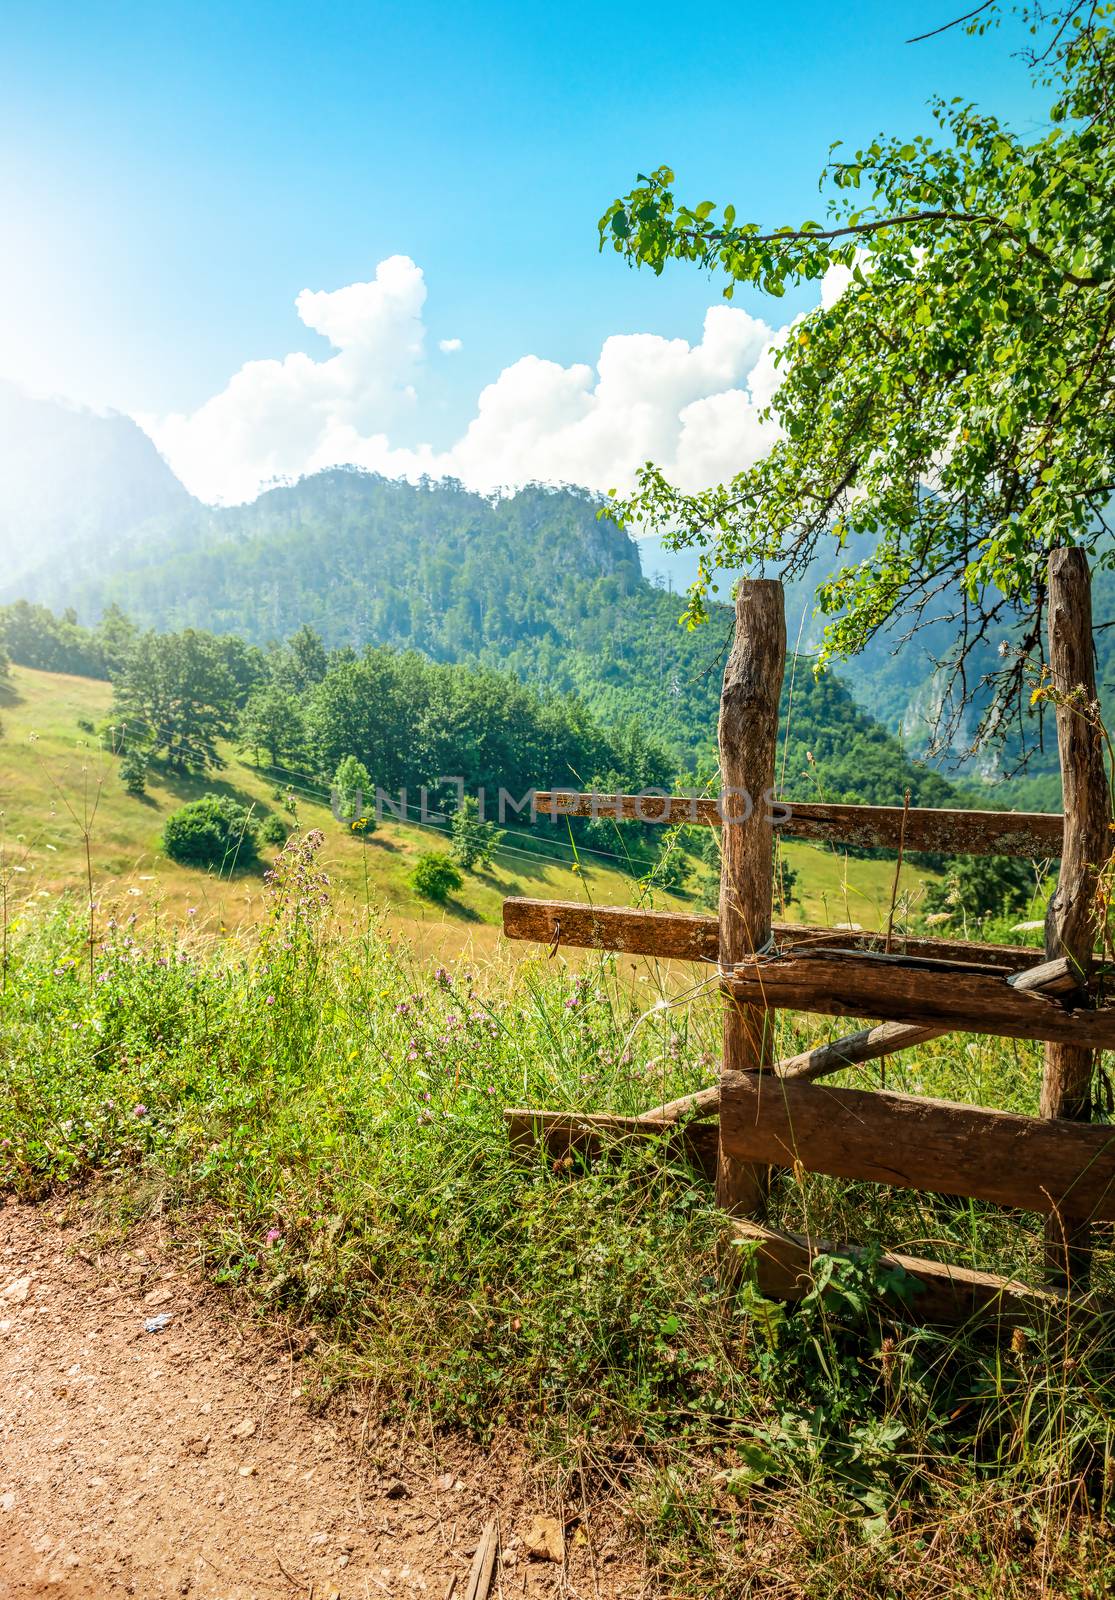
(58, 782)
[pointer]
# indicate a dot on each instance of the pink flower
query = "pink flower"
(273, 1236)
(270, 1001)
(139, 1111)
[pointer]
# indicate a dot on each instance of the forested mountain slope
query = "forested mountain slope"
(534, 583)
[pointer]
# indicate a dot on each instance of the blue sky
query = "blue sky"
(172, 176)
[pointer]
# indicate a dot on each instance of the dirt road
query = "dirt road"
(185, 1460)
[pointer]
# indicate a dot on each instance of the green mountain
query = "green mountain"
(534, 583)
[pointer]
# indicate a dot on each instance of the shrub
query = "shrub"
(272, 830)
(434, 876)
(351, 796)
(215, 831)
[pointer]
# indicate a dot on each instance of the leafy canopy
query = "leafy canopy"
(950, 412)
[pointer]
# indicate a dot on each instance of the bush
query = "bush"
(435, 877)
(273, 830)
(215, 831)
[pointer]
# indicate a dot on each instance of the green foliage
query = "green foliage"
(474, 841)
(178, 694)
(273, 830)
(213, 832)
(435, 876)
(272, 721)
(34, 637)
(948, 409)
(352, 788)
(134, 769)
(982, 886)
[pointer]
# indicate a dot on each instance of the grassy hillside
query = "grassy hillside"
(53, 776)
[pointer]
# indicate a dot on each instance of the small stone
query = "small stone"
(7, 1501)
(245, 1429)
(247, 1471)
(545, 1539)
(16, 1291)
(159, 1297)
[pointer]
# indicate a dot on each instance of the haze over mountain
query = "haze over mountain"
(75, 486)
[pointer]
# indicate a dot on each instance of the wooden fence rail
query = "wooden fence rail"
(1032, 834)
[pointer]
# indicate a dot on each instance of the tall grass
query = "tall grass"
(326, 1116)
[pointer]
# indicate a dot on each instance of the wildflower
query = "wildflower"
(441, 978)
(273, 1236)
(139, 1111)
(191, 911)
(270, 1001)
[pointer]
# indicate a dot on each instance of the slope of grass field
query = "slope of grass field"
(55, 779)
(319, 1117)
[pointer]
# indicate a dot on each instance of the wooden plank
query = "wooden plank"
(676, 936)
(1031, 834)
(937, 1293)
(747, 736)
(564, 1133)
(870, 1044)
(1070, 924)
(914, 1143)
(852, 985)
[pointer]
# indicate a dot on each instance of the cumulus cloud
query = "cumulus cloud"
(449, 347)
(692, 408)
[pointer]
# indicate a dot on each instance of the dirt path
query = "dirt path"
(185, 1461)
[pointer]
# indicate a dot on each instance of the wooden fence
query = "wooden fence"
(772, 1114)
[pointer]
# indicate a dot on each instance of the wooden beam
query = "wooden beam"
(676, 936)
(1034, 835)
(564, 1133)
(747, 736)
(1050, 977)
(783, 1264)
(847, 1051)
(1070, 924)
(854, 984)
(914, 1143)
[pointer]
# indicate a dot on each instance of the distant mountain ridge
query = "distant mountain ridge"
(75, 486)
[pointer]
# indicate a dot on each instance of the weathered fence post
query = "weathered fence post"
(1071, 921)
(748, 736)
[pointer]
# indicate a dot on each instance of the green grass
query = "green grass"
(54, 776)
(321, 1110)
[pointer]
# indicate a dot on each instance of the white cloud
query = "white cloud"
(449, 347)
(693, 409)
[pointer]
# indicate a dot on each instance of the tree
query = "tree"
(177, 694)
(272, 721)
(474, 842)
(434, 876)
(133, 770)
(215, 831)
(984, 886)
(302, 661)
(352, 794)
(944, 420)
(116, 634)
